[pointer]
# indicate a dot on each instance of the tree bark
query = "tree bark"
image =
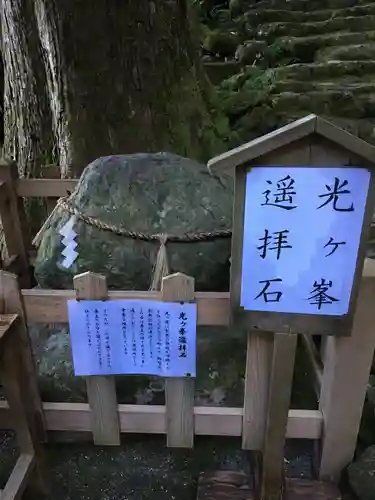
(124, 77)
(28, 136)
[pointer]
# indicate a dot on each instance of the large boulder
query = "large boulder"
(367, 428)
(361, 475)
(149, 193)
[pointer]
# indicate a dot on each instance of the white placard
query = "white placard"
(302, 230)
(133, 337)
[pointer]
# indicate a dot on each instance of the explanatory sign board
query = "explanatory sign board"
(302, 231)
(131, 337)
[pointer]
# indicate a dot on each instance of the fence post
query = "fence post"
(11, 303)
(179, 392)
(13, 218)
(277, 414)
(15, 382)
(101, 391)
(257, 377)
(347, 365)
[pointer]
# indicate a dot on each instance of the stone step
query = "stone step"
(304, 49)
(304, 5)
(271, 31)
(221, 70)
(355, 88)
(256, 16)
(263, 119)
(336, 103)
(350, 70)
(364, 51)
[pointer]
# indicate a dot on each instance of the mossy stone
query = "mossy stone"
(157, 193)
(361, 475)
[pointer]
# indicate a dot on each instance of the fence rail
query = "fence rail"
(340, 377)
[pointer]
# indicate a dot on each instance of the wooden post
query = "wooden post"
(101, 391)
(13, 218)
(277, 414)
(179, 392)
(14, 378)
(11, 303)
(257, 377)
(347, 365)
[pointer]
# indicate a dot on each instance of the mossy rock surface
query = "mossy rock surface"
(144, 193)
(329, 102)
(271, 31)
(355, 88)
(307, 49)
(305, 5)
(367, 427)
(355, 52)
(259, 15)
(326, 70)
(361, 475)
(221, 355)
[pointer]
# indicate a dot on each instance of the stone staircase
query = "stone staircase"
(299, 57)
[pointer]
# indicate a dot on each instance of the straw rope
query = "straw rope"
(161, 268)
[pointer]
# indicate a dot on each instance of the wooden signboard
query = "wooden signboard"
(304, 199)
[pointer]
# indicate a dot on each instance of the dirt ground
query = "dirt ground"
(142, 468)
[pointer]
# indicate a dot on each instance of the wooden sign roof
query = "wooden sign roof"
(294, 131)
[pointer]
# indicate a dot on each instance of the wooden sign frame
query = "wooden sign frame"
(313, 142)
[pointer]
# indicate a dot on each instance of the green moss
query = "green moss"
(222, 43)
(203, 131)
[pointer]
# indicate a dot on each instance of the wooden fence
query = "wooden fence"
(340, 375)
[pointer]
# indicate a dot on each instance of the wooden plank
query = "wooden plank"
(19, 478)
(309, 489)
(349, 142)
(347, 365)
(11, 303)
(277, 415)
(14, 379)
(224, 485)
(6, 321)
(150, 419)
(299, 152)
(50, 306)
(179, 392)
(237, 242)
(45, 188)
(13, 218)
(101, 391)
(264, 144)
(257, 377)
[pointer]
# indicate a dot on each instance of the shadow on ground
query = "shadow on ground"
(141, 468)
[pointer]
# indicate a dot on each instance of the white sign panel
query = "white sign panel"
(133, 337)
(302, 230)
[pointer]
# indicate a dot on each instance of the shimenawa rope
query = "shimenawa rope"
(161, 268)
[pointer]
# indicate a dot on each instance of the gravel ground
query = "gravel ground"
(141, 468)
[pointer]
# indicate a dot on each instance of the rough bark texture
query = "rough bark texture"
(27, 124)
(125, 77)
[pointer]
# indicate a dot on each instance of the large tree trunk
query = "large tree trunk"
(121, 77)
(27, 118)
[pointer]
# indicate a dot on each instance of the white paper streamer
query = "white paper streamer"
(69, 253)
